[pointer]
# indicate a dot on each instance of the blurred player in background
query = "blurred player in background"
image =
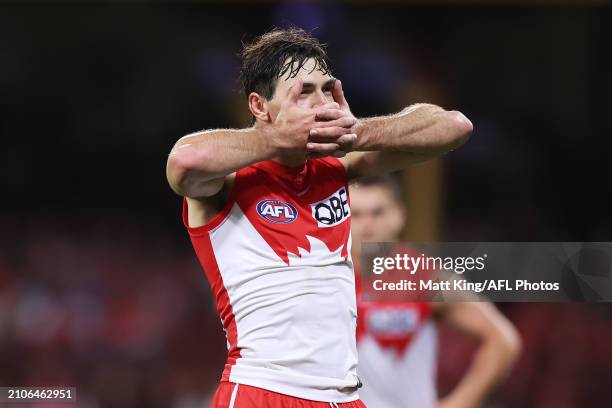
(267, 211)
(397, 342)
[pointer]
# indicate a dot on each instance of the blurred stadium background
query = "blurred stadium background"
(99, 286)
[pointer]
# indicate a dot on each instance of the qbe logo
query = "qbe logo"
(277, 211)
(332, 210)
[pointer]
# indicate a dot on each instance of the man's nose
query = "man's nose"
(321, 99)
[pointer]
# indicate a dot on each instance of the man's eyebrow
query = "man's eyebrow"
(329, 82)
(309, 85)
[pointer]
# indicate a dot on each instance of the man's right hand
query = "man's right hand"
(291, 131)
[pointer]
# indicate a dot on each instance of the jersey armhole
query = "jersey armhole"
(217, 219)
(336, 165)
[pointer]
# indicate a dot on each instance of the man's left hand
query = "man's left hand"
(329, 118)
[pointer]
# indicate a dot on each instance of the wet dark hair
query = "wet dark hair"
(276, 53)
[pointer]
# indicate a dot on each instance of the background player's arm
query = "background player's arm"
(499, 348)
(388, 143)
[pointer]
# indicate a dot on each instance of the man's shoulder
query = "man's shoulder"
(202, 210)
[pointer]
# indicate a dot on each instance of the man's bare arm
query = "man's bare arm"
(418, 133)
(499, 348)
(199, 163)
(387, 143)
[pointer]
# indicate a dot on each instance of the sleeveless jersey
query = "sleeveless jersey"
(397, 345)
(278, 261)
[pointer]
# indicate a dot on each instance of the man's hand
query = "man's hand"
(292, 127)
(332, 119)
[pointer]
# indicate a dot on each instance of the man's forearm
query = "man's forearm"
(420, 128)
(211, 155)
(221, 152)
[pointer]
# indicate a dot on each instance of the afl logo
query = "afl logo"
(277, 211)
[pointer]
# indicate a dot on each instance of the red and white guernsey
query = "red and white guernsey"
(397, 345)
(278, 261)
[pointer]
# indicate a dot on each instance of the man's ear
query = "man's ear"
(401, 218)
(258, 105)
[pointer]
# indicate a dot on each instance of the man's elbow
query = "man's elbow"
(186, 169)
(508, 341)
(176, 172)
(513, 343)
(461, 128)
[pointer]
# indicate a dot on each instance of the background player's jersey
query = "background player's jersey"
(397, 345)
(278, 262)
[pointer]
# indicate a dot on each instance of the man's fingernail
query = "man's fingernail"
(309, 145)
(313, 131)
